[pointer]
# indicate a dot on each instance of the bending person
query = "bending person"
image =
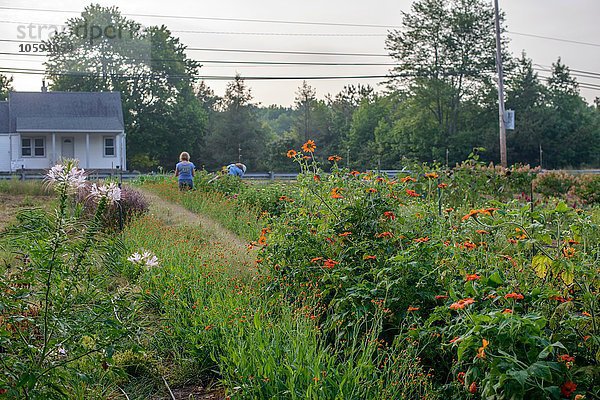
(237, 169)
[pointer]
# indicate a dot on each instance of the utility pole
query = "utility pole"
(499, 69)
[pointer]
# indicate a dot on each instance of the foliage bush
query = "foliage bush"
(132, 204)
(59, 321)
(476, 287)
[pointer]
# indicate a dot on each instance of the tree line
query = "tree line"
(439, 102)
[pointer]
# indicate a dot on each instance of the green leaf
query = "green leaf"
(540, 370)
(561, 207)
(496, 279)
(540, 264)
(568, 274)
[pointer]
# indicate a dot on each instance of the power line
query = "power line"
(289, 22)
(45, 24)
(204, 61)
(315, 53)
(554, 38)
(269, 21)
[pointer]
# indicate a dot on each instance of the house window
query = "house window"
(109, 146)
(33, 147)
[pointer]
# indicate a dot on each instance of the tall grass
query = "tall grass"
(17, 187)
(210, 323)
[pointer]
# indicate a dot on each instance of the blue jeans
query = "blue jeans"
(186, 184)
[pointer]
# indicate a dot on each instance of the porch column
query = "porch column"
(87, 151)
(123, 151)
(53, 160)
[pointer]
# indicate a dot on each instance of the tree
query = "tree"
(237, 134)
(572, 134)
(304, 103)
(526, 95)
(342, 108)
(445, 55)
(150, 70)
(5, 86)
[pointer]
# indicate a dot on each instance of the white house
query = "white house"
(38, 129)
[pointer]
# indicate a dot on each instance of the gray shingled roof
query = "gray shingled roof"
(64, 124)
(65, 111)
(3, 116)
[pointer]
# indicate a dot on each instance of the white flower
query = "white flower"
(67, 174)
(146, 259)
(135, 258)
(111, 191)
(152, 261)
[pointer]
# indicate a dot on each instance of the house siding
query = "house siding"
(77, 115)
(4, 152)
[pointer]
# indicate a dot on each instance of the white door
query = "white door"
(68, 148)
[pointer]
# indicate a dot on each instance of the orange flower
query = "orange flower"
(411, 308)
(442, 185)
(441, 297)
(481, 351)
(472, 213)
(292, 153)
(472, 277)
(369, 257)
(389, 215)
(385, 235)
(408, 179)
(329, 263)
(469, 245)
(482, 232)
(586, 314)
(566, 358)
(459, 305)
(335, 193)
(412, 193)
(507, 311)
(392, 183)
(371, 190)
(422, 239)
(461, 378)
(568, 388)
(344, 234)
(334, 158)
(473, 388)
(379, 179)
(431, 175)
(455, 339)
(568, 252)
(316, 259)
(558, 298)
(309, 146)
(516, 296)
(316, 178)
(355, 173)
(262, 240)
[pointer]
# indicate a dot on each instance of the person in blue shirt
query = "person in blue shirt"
(184, 171)
(237, 169)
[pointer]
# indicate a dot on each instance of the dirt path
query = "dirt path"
(233, 254)
(231, 248)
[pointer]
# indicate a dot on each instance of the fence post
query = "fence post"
(271, 175)
(22, 172)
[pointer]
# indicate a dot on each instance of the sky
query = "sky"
(567, 22)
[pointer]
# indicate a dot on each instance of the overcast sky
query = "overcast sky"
(572, 20)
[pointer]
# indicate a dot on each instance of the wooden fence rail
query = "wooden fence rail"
(265, 176)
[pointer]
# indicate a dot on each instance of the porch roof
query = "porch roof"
(69, 124)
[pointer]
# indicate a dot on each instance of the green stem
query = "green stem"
(48, 285)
